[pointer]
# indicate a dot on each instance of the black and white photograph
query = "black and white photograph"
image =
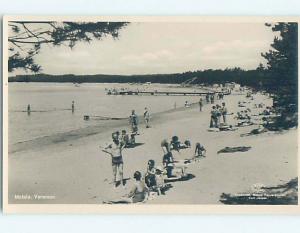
(150, 112)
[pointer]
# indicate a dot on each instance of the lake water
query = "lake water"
(90, 99)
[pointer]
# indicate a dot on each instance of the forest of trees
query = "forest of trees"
(249, 78)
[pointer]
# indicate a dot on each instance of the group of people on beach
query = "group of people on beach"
(124, 140)
(134, 120)
(155, 179)
(218, 113)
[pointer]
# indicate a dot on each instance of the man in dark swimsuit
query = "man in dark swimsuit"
(115, 150)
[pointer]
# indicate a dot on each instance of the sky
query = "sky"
(152, 48)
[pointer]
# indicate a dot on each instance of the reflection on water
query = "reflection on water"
(51, 105)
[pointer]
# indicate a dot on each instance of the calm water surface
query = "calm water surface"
(90, 99)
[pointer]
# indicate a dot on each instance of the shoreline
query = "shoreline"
(110, 125)
(76, 172)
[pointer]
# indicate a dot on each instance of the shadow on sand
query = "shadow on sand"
(135, 145)
(183, 178)
(234, 149)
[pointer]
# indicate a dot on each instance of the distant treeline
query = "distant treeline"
(252, 78)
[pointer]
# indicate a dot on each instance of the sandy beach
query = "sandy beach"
(70, 168)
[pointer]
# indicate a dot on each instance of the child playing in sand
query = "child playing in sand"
(160, 181)
(199, 151)
(174, 169)
(150, 174)
(125, 138)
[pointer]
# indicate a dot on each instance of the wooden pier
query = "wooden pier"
(166, 93)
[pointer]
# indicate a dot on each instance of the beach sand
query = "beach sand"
(72, 169)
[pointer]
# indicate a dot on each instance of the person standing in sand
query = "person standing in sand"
(147, 117)
(115, 150)
(200, 104)
(213, 117)
(218, 113)
(133, 119)
(207, 98)
(212, 99)
(224, 112)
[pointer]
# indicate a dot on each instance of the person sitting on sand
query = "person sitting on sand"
(132, 139)
(199, 151)
(125, 138)
(174, 169)
(245, 120)
(187, 104)
(165, 145)
(187, 143)
(115, 150)
(168, 160)
(177, 145)
(154, 178)
(150, 179)
(133, 119)
(160, 180)
(168, 163)
(138, 193)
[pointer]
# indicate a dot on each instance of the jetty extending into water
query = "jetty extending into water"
(167, 93)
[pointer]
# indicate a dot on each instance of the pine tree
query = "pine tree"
(282, 72)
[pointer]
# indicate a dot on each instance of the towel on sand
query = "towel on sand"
(234, 149)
